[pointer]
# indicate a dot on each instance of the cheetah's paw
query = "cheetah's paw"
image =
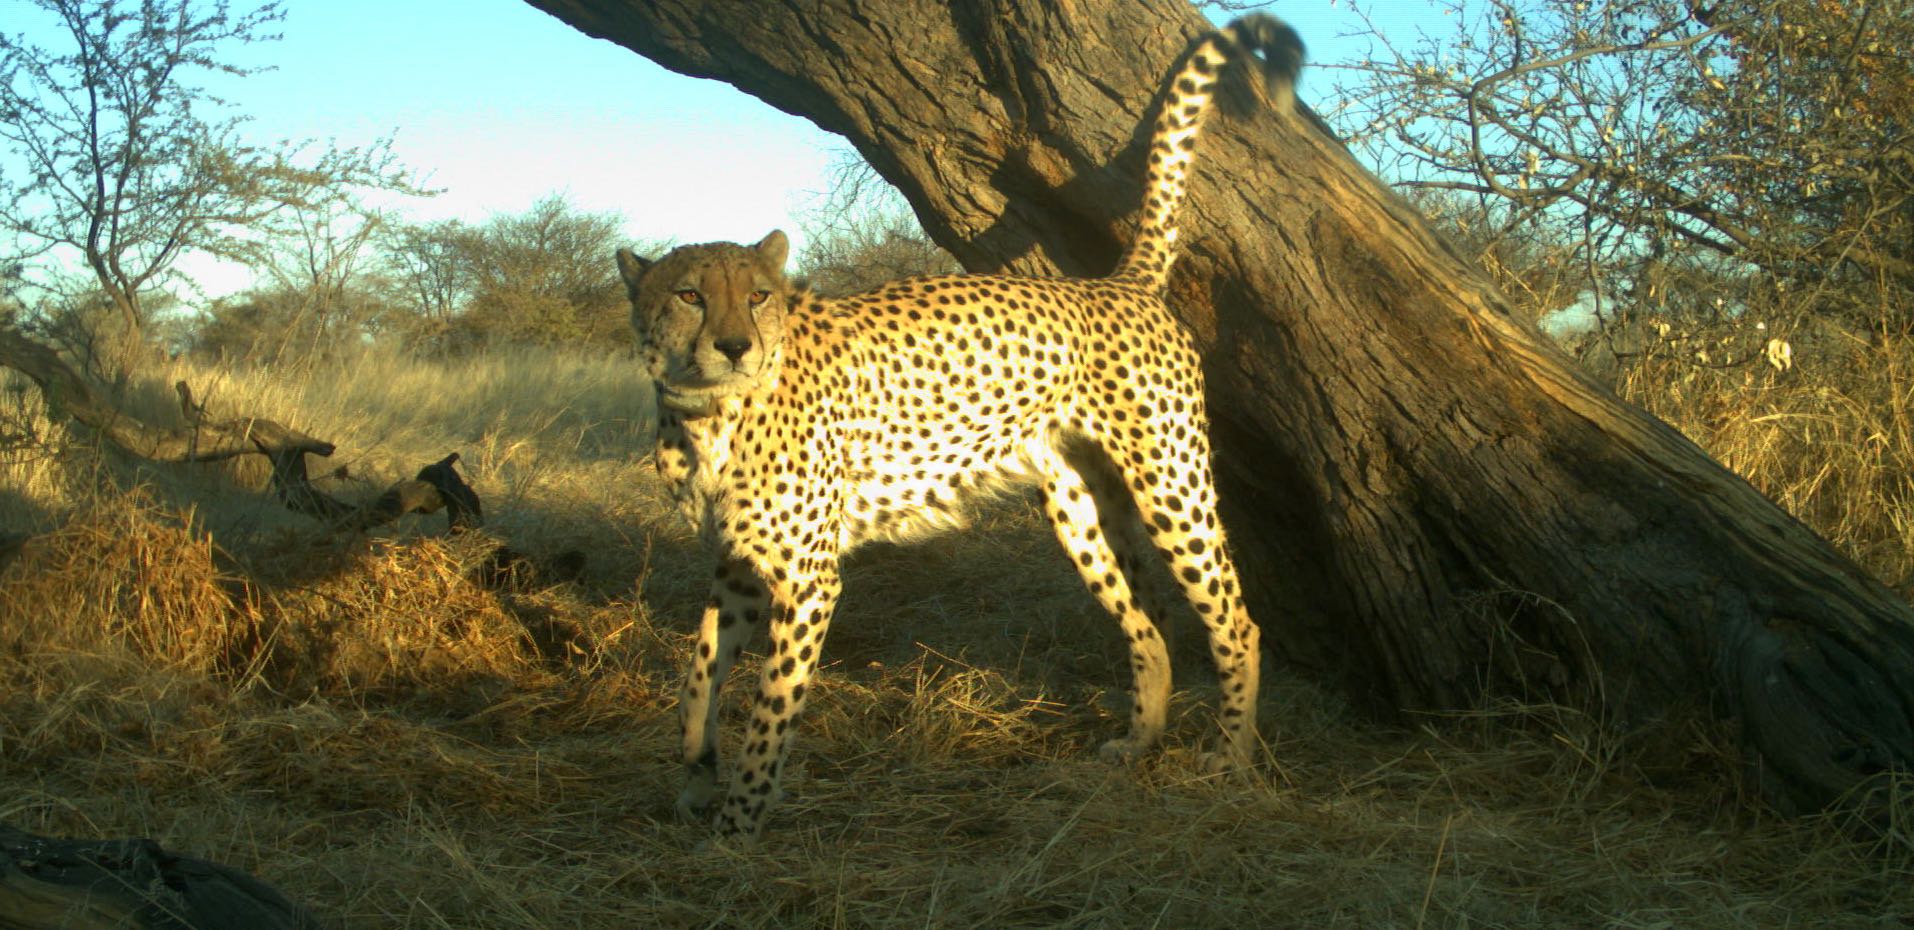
(697, 800)
(1125, 751)
(726, 843)
(1224, 762)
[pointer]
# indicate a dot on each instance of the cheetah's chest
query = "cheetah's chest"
(693, 463)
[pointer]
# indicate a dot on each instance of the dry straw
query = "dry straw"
(361, 723)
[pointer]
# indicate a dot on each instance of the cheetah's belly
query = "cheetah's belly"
(903, 497)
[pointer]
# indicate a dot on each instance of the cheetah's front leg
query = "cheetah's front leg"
(800, 614)
(737, 606)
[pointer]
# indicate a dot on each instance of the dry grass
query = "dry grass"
(361, 724)
(1831, 438)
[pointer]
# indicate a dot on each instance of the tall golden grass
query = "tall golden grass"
(360, 723)
(1830, 436)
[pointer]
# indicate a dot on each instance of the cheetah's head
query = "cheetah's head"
(709, 318)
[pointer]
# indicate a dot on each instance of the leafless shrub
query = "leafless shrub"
(1761, 153)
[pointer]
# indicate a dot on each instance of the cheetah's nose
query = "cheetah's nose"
(733, 349)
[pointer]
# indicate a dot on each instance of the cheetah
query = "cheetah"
(793, 428)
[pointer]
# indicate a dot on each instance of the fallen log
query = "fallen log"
(205, 439)
(436, 487)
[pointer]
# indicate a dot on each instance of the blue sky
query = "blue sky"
(499, 104)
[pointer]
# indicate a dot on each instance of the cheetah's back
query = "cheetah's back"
(942, 390)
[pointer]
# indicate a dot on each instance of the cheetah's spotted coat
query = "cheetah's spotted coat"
(794, 428)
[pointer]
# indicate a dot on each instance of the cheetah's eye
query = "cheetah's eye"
(758, 297)
(691, 297)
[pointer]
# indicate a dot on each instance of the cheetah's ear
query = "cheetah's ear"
(774, 249)
(632, 268)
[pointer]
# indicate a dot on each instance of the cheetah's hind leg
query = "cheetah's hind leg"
(1185, 529)
(1076, 511)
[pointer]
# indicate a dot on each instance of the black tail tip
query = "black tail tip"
(1277, 41)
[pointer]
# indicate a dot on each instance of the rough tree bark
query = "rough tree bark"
(1432, 504)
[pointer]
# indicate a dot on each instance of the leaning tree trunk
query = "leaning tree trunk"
(1429, 501)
